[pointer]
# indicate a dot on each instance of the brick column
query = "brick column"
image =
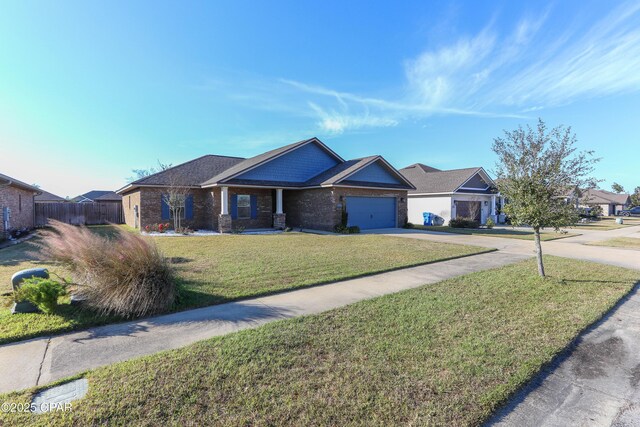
(224, 223)
(279, 221)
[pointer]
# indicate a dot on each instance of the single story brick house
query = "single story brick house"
(46, 197)
(304, 184)
(466, 193)
(16, 205)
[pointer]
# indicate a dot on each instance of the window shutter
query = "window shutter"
(188, 207)
(234, 206)
(165, 211)
(254, 206)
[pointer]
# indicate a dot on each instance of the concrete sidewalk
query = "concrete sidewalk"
(42, 360)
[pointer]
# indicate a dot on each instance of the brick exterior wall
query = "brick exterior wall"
(265, 208)
(206, 208)
(321, 209)
(20, 202)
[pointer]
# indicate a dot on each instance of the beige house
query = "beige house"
(611, 203)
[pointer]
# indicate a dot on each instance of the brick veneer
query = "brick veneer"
(321, 208)
(206, 207)
(314, 208)
(20, 202)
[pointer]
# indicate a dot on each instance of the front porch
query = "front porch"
(250, 208)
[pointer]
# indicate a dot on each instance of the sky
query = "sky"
(91, 90)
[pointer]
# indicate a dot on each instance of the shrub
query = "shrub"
(124, 274)
(339, 228)
(463, 223)
(43, 293)
(490, 223)
(238, 230)
(409, 225)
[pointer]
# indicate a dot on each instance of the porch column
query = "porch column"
(279, 218)
(494, 217)
(224, 201)
(279, 200)
(224, 219)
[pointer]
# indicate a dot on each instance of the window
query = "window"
(244, 206)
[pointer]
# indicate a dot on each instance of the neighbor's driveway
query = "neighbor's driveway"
(595, 383)
(42, 360)
(570, 247)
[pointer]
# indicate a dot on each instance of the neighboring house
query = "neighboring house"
(46, 197)
(305, 184)
(16, 205)
(610, 202)
(107, 196)
(467, 193)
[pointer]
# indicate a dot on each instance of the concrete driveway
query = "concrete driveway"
(596, 381)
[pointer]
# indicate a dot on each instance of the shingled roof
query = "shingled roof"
(98, 196)
(434, 181)
(210, 170)
(45, 196)
(605, 197)
(5, 179)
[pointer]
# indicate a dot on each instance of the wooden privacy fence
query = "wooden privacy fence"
(79, 213)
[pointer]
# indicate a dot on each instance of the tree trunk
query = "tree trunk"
(536, 234)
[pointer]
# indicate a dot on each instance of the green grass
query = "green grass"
(608, 223)
(619, 242)
(443, 354)
(217, 269)
(495, 232)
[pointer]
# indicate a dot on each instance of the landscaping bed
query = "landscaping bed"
(216, 269)
(608, 223)
(495, 232)
(444, 354)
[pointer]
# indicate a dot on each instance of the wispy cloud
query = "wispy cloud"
(531, 66)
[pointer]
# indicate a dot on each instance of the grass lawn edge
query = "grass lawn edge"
(5, 341)
(502, 408)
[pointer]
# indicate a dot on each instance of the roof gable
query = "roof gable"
(297, 165)
(375, 172)
(476, 182)
(444, 181)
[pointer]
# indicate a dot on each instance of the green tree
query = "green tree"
(635, 197)
(537, 171)
(617, 188)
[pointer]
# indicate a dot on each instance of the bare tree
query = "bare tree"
(143, 173)
(536, 171)
(176, 199)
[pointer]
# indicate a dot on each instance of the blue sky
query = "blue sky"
(91, 90)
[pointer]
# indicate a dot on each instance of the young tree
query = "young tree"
(536, 171)
(617, 188)
(176, 198)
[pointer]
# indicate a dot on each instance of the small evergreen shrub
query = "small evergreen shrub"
(43, 293)
(490, 223)
(463, 223)
(354, 229)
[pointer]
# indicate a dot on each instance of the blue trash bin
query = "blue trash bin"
(428, 218)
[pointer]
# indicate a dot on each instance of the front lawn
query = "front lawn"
(217, 269)
(495, 232)
(443, 354)
(619, 242)
(608, 223)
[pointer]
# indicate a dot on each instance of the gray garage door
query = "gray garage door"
(371, 212)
